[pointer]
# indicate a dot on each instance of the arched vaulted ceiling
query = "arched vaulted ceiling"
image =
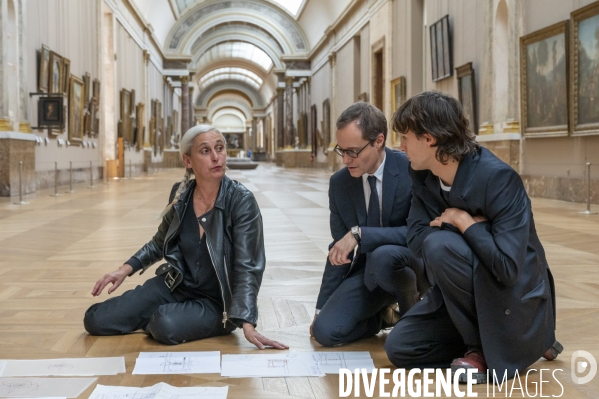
(235, 86)
(262, 17)
(232, 47)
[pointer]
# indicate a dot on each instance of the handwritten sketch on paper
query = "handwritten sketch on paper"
(331, 362)
(159, 391)
(177, 363)
(292, 364)
(64, 367)
(43, 387)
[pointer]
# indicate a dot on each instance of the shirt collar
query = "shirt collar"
(379, 172)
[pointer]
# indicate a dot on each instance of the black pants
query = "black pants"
(444, 324)
(352, 312)
(170, 318)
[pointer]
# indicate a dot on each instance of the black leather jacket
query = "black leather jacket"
(235, 242)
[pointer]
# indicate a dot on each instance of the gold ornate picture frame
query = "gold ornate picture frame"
(544, 76)
(584, 78)
(467, 94)
(76, 106)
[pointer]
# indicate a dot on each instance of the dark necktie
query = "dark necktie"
(374, 211)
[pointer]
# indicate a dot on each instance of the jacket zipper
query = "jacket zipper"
(222, 293)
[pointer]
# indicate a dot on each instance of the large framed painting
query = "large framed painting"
(398, 92)
(96, 92)
(139, 112)
(234, 141)
(585, 70)
(125, 114)
(543, 81)
(326, 125)
(43, 72)
(87, 87)
(76, 105)
(55, 77)
(441, 49)
(66, 72)
(467, 94)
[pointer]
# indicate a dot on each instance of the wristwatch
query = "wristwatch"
(356, 233)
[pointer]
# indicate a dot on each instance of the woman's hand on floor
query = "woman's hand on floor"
(116, 278)
(258, 339)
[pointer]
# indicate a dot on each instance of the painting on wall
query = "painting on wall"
(326, 125)
(55, 77)
(125, 114)
(585, 73)
(96, 92)
(467, 94)
(398, 92)
(543, 81)
(76, 105)
(441, 49)
(363, 97)
(234, 141)
(87, 87)
(66, 72)
(43, 71)
(50, 111)
(139, 112)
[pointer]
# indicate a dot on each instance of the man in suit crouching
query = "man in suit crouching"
(369, 201)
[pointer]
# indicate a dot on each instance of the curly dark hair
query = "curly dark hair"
(441, 116)
(369, 119)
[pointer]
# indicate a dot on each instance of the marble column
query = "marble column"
(184, 104)
(289, 134)
(280, 118)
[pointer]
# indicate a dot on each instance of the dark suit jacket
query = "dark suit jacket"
(513, 287)
(348, 209)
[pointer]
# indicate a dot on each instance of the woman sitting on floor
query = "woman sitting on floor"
(211, 238)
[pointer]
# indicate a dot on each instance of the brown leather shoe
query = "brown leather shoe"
(471, 360)
(390, 315)
(556, 349)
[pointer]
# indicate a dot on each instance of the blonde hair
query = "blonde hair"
(185, 146)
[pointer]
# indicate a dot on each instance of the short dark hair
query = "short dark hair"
(369, 119)
(441, 116)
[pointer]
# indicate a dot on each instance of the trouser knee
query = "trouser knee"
(93, 324)
(326, 334)
(163, 329)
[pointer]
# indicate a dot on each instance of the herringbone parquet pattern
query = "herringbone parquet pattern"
(55, 248)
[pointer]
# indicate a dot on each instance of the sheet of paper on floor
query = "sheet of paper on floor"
(64, 367)
(177, 363)
(331, 362)
(43, 387)
(290, 364)
(159, 391)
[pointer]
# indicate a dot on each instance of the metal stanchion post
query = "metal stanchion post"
(21, 202)
(588, 211)
(70, 177)
(55, 180)
(91, 175)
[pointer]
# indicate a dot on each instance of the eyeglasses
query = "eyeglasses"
(350, 153)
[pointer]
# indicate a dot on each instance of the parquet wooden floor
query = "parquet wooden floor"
(55, 248)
